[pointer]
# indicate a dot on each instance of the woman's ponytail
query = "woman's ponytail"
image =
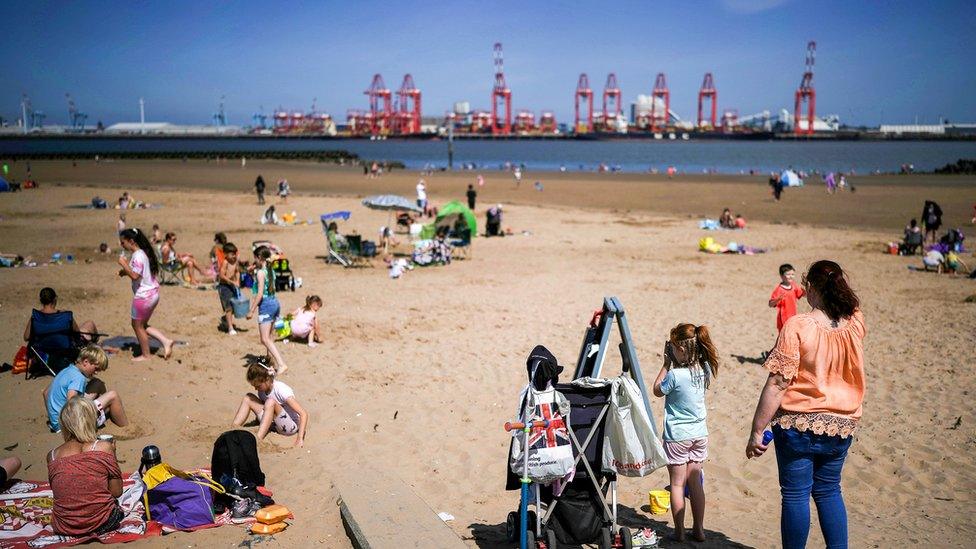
(828, 280)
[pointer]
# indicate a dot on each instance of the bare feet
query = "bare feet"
(281, 370)
(167, 349)
(679, 535)
(140, 358)
(698, 535)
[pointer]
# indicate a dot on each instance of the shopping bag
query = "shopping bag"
(550, 450)
(630, 447)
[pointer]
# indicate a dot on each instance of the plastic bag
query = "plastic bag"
(630, 447)
(550, 449)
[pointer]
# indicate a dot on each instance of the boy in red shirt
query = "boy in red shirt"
(785, 295)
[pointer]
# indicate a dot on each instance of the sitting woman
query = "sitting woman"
(726, 221)
(387, 238)
(336, 240)
(84, 475)
(913, 238)
(56, 332)
(170, 256)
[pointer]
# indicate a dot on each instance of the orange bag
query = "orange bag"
(20, 361)
(272, 514)
(260, 528)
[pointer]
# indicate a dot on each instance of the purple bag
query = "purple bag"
(182, 504)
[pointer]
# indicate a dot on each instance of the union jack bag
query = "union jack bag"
(550, 449)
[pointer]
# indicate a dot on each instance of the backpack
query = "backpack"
(235, 454)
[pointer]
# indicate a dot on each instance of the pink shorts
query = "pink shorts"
(685, 451)
(142, 308)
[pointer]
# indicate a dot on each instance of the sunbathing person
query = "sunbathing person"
(56, 332)
(170, 255)
(726, 221)
(84, 475)
(8, 468)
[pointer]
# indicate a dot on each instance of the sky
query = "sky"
(877, 62)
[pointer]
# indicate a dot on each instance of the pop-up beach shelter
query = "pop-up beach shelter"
(447, 216)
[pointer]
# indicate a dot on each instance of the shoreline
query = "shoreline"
(883, 203)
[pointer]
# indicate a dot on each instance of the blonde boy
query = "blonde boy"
(74, 380)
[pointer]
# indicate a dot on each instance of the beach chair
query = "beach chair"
(52, 344)
(355, 251)
(461, 248)
(335, 252)
(170, 272)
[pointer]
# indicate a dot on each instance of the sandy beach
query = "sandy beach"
(417, 375)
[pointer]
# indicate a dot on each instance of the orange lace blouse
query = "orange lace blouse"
(825, 367)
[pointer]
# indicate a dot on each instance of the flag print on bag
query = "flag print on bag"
(550, 449)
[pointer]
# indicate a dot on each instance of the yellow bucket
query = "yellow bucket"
(660, 501)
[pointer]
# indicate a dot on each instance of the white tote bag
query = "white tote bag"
(550, 449)
(630, 447)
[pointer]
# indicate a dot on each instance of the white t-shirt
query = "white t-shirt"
(933, 258)
(421, 191)
(281, 393)
(146, 286)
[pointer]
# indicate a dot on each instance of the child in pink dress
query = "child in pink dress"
(305, 324)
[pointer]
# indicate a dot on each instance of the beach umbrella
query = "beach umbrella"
(342, 214)
(390, 202)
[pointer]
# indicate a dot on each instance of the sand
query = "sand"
(418, 375)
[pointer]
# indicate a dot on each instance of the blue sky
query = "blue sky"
(890, 60)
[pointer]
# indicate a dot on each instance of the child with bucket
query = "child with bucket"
(690, 363)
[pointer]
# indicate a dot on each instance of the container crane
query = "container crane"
(659, 119)
(611, 96)
(584, 92)
(75, 118)
(219, 118)
(547, 122)
(380, 113)
(32, 119)
(260, 119)
(409, 109)
(806, 94)
(708, 92)
(500, 92)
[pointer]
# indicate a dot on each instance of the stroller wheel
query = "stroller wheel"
(606, 538)
(550, 539)
(530, 539)
(512, 526)
(626, 541)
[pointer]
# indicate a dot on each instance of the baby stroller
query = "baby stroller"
(576, 511)
(284, 277)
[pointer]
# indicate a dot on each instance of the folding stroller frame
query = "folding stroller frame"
(592, 356)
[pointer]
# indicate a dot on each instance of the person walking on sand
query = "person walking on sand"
(472, 196)
(813, 399)
(143, 270)
(259, 188)
(517, 174)
(265, 304)
(422, 196)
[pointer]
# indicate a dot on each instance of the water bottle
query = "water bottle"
(767, 437)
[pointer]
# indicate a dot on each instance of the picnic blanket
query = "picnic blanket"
(25, 517)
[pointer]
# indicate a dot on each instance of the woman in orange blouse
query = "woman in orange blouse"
(813, 399)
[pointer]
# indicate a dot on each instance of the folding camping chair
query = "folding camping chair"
(355, 251)
(461, 248)
(170, 272)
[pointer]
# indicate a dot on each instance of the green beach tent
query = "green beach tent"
(447, 216)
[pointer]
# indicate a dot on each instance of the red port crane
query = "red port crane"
(547, 122)
(611, 96)
(500, 93)
(707, 91)
(659, 120)
(379, 117)
(408, 115)
(584, 92)
(806, 93)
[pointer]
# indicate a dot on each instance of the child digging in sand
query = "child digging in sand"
(229, 284)
(76, 379)
(274, 405)
(265, 303)
(142, 271)
(690, 363)
(305, 323)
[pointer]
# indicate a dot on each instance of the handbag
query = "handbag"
(178, 499)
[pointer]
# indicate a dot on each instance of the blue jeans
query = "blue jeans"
(811, 464)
